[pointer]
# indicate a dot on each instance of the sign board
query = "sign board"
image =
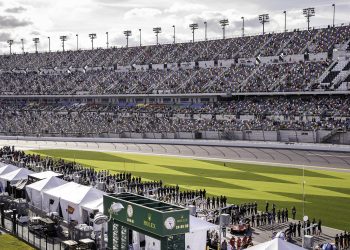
(149, 215)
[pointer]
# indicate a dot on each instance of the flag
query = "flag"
(70, 210)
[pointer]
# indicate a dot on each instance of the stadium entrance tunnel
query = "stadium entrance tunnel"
(138, 221)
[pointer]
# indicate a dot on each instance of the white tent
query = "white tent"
(34, 190)
(43, 175)
(55, 194)
(70, 195)
(197, 237)
(93, 205)
(90, 207)
(82, 195)
(276, 244)
(14, 176)
(5, 169)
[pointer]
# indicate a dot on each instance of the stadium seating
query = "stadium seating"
(296, 61)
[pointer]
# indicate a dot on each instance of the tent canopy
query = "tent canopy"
(34, 190)
(276, 244)
(48, 183)
(19, 174)
(65, 190)
(93, 205)
(7, 169)
(197, 224)
(44, 175)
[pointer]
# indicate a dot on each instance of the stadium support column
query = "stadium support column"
(10, 42)
(22, 41)
(49, 43)
(285, 21)
(77, 41)
(333, 14)
(308, 13)
(127, 33)
(107, 42)
(223, 23)
(92, 37)
(242, 25)
(193, 27)
(36, 40)
(63, 39)
(264, 18)
(140, 37)
(157, 30)
(205, 31)
(174, 34)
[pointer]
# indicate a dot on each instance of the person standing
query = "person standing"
(336, 241)
(279, 216)
(308, 227)
(341, 245)
(295, 229)
(319, 226)
(314, 226)
(294, 212)
(299, 229)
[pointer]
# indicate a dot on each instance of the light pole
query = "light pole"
(285, 21)
(49, 43)
(22, 41)
(333, 14)
(157, 30)
(92, 37)
(10, 42)
(264, 18)
(107, 42)
(140, 37)
(308, 12)
(223, 23)
(193, 27)
(242, 25)
(36, 40)
(77, 41)
(205, 31)
(63, 39)
(174, 34)
(127, 33)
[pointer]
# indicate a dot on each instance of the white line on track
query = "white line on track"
(338, 156)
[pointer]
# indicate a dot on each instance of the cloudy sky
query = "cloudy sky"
(42, 18)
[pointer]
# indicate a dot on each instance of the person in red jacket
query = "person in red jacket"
(239, 243)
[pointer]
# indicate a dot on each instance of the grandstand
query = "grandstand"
(290, 86)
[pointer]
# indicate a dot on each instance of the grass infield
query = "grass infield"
(8, 242)
(327, 192)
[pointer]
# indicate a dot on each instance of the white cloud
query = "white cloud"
(142, 13)
(185, 7)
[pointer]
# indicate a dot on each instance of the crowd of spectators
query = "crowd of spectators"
(29, 77)
(237, 78)
(250, 113)
(291, 42)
